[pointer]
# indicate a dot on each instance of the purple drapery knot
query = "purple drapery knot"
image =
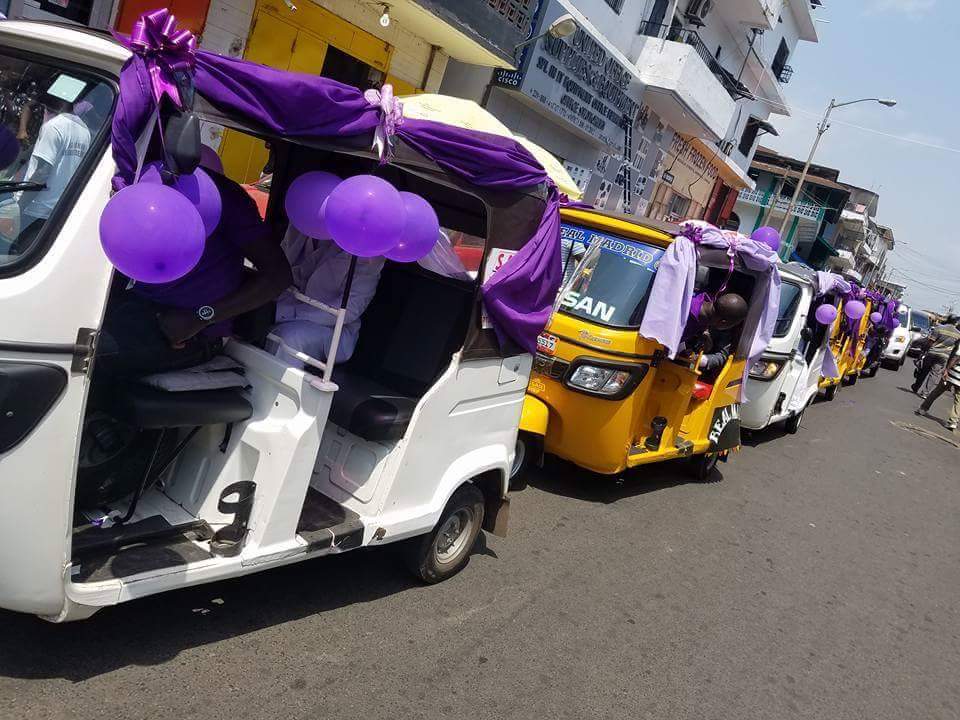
(165, 49)
(693, 233)
(391, 117)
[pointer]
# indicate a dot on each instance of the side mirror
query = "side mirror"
(181, 142)
(806, 334)
(916, 328)
(181, 130)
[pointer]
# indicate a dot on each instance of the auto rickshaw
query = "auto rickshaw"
(409, 441)
(784, 380)
(605, 393)
(849, 345)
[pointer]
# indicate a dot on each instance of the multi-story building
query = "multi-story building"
(811, 230)
(580, 97)
(715, 72)
(696, 82)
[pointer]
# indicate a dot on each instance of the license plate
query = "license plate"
(547, 343)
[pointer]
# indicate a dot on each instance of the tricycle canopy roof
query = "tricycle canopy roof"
(312, 109)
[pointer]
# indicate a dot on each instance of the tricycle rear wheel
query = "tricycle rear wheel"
(444, 551)
(702, 466)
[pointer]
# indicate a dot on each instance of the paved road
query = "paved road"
(819, 579)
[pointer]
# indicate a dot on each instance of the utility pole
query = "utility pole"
(821, 129)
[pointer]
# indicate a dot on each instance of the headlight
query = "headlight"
(612, 382)
(765, 369)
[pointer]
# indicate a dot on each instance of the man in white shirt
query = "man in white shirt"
(63, 142)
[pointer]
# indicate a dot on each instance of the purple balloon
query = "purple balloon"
(197, 187)
(304, 202)
(896, 323)
(419, 234)
(876, 318)
(768, 236)
(151, 233)
(365, 215)
(9, 147)
(854, 309)
(210, 160)
(826, 314)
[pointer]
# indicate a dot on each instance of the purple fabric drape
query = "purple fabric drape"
(671, 295)
(828, 282)
(518, 297)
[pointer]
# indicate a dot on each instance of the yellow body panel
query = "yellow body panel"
(534, 416)
(849, 361)
(606, 436)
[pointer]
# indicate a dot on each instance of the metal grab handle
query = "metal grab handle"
(306, 299)
(301, 356)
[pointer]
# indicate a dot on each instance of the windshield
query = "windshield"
(921, 321)
(790, 295)
(612, 283)
(49, 118)
(904, 317)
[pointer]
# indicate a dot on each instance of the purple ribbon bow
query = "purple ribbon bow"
(165, 50)
(391, 117)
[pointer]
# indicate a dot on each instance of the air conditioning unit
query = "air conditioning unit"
(697, 12)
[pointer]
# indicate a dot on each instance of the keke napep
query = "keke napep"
(617, 381)
(139, 489)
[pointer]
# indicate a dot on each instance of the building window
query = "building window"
(518, 13)
(615, 5)
(678, 207)
(749, 137)
(780, 60)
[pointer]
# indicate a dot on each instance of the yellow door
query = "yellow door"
(271, 43)
(308, 54)
(298, 48)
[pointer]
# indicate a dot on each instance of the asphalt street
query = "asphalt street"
(818, 579)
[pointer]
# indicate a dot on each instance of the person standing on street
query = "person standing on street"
(943, 339)
(950, 380)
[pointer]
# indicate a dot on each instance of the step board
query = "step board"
(325, 523)
(122, 551)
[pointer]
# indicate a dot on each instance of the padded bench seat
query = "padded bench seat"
(368, 409)
(149, 408)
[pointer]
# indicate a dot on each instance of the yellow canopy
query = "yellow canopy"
(468, 114)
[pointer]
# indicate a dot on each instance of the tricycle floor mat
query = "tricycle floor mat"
(326, 523)
(135, 559)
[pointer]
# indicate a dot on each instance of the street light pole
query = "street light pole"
(821, 129)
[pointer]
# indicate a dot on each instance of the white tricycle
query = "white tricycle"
(411, 440)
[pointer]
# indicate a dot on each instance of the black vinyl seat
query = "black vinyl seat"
(366, 408)
(146, 407)
(408, 334)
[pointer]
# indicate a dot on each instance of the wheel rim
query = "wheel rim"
(519, 455)
(453, 535)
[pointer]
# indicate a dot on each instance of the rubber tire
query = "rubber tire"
(831, 392)
(518, 475)
(702, 466)
(420, 552)
(792, 423)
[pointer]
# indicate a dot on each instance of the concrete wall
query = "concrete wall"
(228, 25)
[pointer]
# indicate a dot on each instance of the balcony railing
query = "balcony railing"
(786, 72)
(673, 33)
(807, 211)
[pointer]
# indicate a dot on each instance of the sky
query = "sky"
(907, 50)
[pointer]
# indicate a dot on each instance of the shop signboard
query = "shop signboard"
(579, 80)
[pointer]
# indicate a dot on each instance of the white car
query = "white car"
(895, 354)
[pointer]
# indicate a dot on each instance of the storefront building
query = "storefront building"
(578, 97)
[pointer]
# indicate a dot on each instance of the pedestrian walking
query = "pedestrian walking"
(950, 381)
(943, 338)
